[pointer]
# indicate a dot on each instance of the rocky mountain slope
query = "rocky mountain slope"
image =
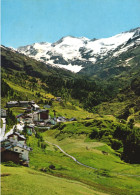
(76, 54)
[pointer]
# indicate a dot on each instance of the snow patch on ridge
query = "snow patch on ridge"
(107, 44)
(70, 49)
(73, 68)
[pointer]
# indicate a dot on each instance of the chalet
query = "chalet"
(47, 106)
(61, 119)
(28, 118)
(3, 113)
(51, 122)
(15, 149)
(30, 129)
(20, 117)
(41, 124)
(16, 137)
(73, 119)
(31, 102)
(23, 150)
(24, 118)
(41, 115)
(12, 104)
(19, 104)
(26, 103)
(28, 109)
(35, 107)
(58, 99)
(8, 155)
(23, 103)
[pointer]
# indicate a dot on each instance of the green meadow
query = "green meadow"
(51, 171)
(21, 180)
(112, 175)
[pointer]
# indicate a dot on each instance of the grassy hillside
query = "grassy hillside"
(126, 105)
(112, 176)
(16, 62)
(122, 68)
(21, 180)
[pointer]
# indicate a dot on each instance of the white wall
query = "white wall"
(22, 151)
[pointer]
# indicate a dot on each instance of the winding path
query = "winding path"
(73, 158)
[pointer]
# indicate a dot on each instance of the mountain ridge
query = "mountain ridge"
(70, 52)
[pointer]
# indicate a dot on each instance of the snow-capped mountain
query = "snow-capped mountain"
(76, 53)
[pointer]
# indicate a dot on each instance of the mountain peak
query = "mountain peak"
(70, 50)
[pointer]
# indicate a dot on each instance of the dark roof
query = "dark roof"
(23, 101)
(30, 126)
(43, 110)
(12, 102)
(73, 119)
(8, 144)
(47, 106)
(19, 115)
(18, 134)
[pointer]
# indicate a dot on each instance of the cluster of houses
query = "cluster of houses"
(14, 147)
(29, 105)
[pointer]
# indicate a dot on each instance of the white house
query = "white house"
(17, 143)
(35, 107)
(23, 150)
(16, 137)
(3, 113)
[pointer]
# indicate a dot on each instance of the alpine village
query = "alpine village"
(71, 132)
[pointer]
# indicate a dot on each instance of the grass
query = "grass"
(111, 108)
(21, 180)
(68, 110)
(111, 174)
(17, 110)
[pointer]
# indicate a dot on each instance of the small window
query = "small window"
(16, 149)
(22, 150)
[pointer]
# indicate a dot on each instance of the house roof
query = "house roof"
(12, 102)
(19, 115)
(8, 144)
(39, 111)
(24, 102)
(21, 146)
(47, 106)
(30, 126)
(73, 119)
(32, 102)
(35, 106)
(18, 134)
(28, 116)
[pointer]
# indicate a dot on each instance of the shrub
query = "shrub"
(52, 167)
(116, 144)
(10, 164)
(94, 133)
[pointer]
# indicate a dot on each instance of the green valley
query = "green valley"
(103, 132)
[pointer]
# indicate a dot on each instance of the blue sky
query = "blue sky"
(25, 22)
